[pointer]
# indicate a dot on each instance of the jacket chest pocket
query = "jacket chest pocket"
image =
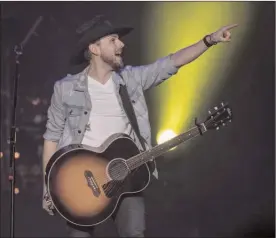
(73, 117)
(139, 104)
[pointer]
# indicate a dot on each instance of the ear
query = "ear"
(94, 49)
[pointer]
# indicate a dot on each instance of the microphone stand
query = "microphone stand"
(12, 140)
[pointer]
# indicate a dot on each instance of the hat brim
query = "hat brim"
(78, 54)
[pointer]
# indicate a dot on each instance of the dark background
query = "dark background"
(224, 186)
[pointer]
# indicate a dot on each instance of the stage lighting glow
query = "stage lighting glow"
(16, 155)
(172, 26)
(165, 136)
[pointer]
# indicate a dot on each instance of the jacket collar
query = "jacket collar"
(81, 84)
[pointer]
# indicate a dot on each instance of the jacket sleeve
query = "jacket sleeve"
(153, 74)
(55, 116)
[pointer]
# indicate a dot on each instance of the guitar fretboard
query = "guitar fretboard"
(158, 150)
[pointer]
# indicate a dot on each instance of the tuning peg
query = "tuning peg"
(222, 104)
(209, 112)
(216, 108)
(217, 128)
(223, 124)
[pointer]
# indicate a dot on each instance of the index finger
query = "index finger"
(230, 26)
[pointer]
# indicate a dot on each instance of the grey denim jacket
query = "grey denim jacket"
(70, 107)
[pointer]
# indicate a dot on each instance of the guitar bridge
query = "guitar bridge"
(92, 183)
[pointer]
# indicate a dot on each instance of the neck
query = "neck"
(100, 71)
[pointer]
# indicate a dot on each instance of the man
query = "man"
(87, 108)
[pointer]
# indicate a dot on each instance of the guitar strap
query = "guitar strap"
(130, 113)
(133, 120)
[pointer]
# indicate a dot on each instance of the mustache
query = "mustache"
(119, 52)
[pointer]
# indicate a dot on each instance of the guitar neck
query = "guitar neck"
(140, 159)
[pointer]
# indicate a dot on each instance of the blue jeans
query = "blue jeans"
(129, 219)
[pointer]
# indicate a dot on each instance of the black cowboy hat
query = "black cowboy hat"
(92, 31)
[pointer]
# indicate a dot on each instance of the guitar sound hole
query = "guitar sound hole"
(117, 169)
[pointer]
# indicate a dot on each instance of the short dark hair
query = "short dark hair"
(87, 54)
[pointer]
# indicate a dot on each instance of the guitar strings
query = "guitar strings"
(133, 163)
(115, 183)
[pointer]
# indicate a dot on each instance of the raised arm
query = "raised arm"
(155, 73)
(190, 53)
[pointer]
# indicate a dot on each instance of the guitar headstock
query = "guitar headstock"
(219, 116)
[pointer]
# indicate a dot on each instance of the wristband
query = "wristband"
(206, 42)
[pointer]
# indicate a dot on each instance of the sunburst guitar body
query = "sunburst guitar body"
(85, 184)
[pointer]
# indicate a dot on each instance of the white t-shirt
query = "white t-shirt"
(106, 116)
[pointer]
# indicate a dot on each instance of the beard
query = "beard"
(115, 62)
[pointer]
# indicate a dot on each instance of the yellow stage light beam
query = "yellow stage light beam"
(164, 136)
(175, 25)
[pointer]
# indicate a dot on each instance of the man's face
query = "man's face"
(110, 49)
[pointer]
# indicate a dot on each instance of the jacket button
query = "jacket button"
(79, 131)
(132, 101)
(85, 112)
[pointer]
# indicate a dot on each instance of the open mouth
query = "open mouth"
(119, 54)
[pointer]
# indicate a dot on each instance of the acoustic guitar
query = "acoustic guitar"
(85, 184)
